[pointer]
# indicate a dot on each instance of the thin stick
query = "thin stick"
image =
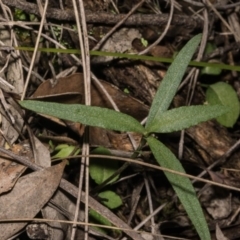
(35, 50)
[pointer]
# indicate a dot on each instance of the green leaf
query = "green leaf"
(99, 169)
(182, 186)
(111, 199)
(210, 70)
(88, 115)
(144, 42)
(171, 81)
(185, 117)
(64, 150)
(224, 94)
(96, 217)
(20, 15)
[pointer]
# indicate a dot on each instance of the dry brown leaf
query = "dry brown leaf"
(58, 230)
(217, 202)
(27, 198)
(219, 234)
(10, 170)
(43, 157)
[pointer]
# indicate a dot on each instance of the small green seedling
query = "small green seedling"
(144, 42)
(20, 15)
(224, 94)
(159, 120)
(110, 199)
(210, 70)
(99, 172)
(99, 219)
(65, 150)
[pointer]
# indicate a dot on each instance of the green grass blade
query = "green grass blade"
(185, 117)
(88, 115)
(171, 81)
(182, 186)
(133, 56)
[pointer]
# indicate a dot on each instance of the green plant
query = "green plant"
(100, 172)
(209, 70)
(224, 94)
(64, 151)
(144, 42)
(97, 218)
(159, 120)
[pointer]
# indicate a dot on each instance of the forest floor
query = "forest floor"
(144, 205)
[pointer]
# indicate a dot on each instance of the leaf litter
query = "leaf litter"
(204, 144)
(27, 198)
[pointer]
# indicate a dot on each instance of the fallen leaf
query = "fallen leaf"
(219, 234)
(58, 230)
(43, 157)
(217, 202)
(10, 171)
(27, 198)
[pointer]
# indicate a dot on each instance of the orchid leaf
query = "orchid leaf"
(89, 115)
(182, 186)
(185, 117)
(171, 81)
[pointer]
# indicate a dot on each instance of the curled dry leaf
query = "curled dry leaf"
(27, 198)
(10, 170)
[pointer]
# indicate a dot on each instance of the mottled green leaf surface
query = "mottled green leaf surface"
(89, 115)
(171, 80)
(184, 117)
(182, 186)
